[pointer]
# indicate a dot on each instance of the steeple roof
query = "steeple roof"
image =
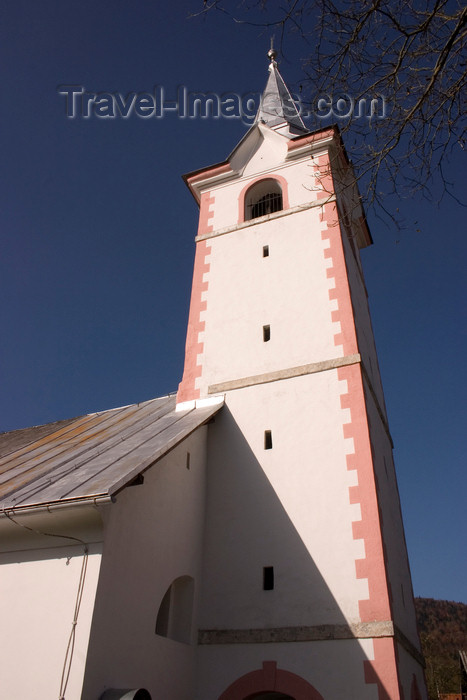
(277, 105)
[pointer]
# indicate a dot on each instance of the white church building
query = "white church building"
(243, 538)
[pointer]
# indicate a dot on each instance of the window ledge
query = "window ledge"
(267, 217)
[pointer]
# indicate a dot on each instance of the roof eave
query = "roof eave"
(214, 173)
(36, 508)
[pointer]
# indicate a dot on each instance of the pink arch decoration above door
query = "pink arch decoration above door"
(270, 678)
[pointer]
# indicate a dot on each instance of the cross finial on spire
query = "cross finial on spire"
(277, 106)
(272, 53)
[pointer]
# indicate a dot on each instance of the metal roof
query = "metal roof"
(92, 456)
(277, 105)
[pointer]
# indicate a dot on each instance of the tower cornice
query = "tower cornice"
(297, 147)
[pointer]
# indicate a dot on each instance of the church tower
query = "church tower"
(306, 591)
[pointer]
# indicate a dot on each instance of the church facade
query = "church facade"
(242, 539)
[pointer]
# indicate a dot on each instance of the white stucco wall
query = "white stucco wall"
(366, 341)
(288, 290)
(398, 570)
(153, 535)
(396, 559)
(267, 161)
(38, 590)
(335, 669)
(287, 507)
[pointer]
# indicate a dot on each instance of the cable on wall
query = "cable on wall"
(71, 641)
(79, 596)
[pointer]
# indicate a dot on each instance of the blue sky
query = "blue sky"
(97, 232)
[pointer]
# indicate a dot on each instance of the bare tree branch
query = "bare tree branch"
(405, 62)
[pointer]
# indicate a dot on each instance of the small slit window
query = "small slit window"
(263, 198)
(265, 251)
(267, 440)
(268, 578)
(266, 333)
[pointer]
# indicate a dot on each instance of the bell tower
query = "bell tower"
(306, 589)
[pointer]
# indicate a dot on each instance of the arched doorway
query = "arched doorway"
(270, 683)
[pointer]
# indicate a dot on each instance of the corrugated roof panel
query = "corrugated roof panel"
(95, 455)
(177, 427)
(102, 447)
(131, 448)
(65, 453)
(37, 447)
(78, 433)
(17, 439)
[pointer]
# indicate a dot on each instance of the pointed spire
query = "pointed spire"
(277, 105)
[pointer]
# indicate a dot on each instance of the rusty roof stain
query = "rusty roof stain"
(13, 440)
(91, 456)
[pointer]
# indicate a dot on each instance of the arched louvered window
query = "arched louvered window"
(263, 198)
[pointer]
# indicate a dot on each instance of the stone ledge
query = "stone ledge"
(284, 374)
(267, 217)
(315, 633)
(360, 630)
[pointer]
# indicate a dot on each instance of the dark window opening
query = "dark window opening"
(263, 198)
(174, 617)
(268, 578)
(267, 204)
(162, 622)
(188, 460)
(265, 251)
(267, 440)
(266, 333)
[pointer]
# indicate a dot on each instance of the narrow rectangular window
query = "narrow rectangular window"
(265, 251)
(267, 440)
(266, 333)
(188, 459)
(268, 578)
